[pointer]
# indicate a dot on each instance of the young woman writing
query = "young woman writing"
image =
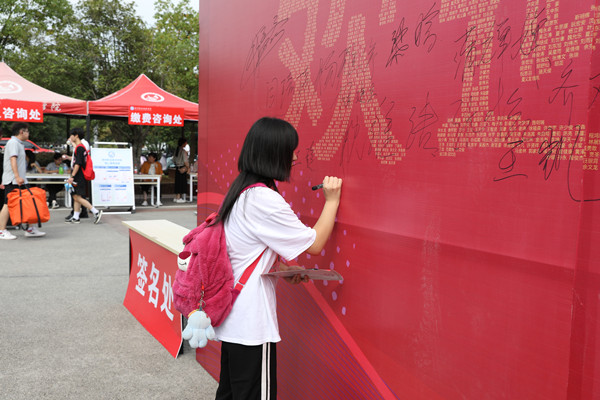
(259, 222)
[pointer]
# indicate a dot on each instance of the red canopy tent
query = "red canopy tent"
(16, 88)
(142, 92)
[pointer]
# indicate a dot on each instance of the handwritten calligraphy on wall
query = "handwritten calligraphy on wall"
(467, 134)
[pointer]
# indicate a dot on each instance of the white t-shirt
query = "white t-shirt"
(260, 219)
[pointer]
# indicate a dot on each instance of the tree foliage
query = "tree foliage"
(175, 42)
(176, 39)
(97, 47)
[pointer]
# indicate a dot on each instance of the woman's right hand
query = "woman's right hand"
(332, 188)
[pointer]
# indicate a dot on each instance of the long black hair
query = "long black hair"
(266, 157)
(180, 144)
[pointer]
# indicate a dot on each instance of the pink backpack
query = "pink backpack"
(208, 282)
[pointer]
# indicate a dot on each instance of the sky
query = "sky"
(145, 8)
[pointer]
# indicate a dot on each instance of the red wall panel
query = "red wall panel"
(467, 135)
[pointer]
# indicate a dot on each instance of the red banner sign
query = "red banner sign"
(149, 294)
(155, 116)
(23, 111)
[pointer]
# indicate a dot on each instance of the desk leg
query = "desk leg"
(157, 191)
(191, 188)
(152, 195)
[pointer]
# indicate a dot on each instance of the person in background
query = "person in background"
(14, 175)
(1, 171)
(163, 162)
(150, 167)
(33, 167)
(182, 167)
(56, 167)
(260, 224)
(194, 167)
(83, 213)
(78, 181)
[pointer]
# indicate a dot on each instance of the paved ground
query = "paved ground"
(64, 332)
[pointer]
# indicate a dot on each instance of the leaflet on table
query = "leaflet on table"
(316, 274)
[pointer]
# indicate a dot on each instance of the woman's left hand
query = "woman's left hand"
(296, 279)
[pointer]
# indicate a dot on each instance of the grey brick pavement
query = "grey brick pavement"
(64, 333)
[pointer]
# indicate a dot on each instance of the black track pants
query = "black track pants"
(248, 372)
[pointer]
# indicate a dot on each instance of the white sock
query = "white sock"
(76, 214)
(94, 210)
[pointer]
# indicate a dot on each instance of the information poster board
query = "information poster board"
(467, 134)
(113, 186)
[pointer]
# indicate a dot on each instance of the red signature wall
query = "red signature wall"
(467, 134)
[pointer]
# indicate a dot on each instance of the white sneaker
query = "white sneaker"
(55, 204)
(158, 203)
(6, 235)
(145, 203)
(97, 217)
(33, 231)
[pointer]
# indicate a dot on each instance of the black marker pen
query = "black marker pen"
(317, 187)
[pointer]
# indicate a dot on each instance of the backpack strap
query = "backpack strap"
(85, 154)
(247, 272)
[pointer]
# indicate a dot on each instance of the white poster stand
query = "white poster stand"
(113, 185)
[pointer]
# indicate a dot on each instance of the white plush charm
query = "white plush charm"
(198, 330)
(183, 260)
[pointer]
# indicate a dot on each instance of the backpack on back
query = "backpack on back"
(88, 169)
(204, 280)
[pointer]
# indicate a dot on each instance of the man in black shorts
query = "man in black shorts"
(78, 181)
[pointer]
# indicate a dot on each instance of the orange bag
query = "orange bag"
(28, 205)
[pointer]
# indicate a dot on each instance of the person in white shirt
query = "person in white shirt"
(259, 222)
(77, 179)
(163, 161)
(86, 144)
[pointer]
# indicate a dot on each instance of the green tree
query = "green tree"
(30, 23)
(29, 33)
(95, 49)
(175, 48)
(109, 45)
(174, 68)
